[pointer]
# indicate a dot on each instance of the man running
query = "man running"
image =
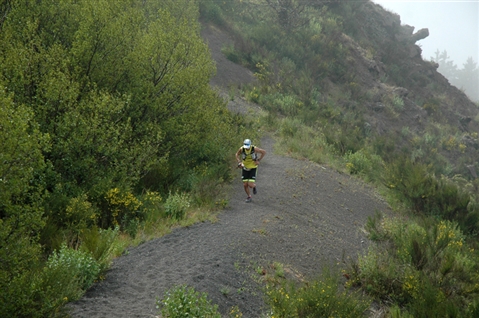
(247, 157)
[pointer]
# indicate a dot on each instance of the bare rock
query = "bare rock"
(419, 35)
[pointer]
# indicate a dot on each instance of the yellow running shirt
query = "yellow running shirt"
(248, 161)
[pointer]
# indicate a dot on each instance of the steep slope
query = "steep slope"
(392, 62)
(353, 68)
(404, 94)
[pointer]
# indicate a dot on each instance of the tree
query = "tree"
(469, 79)
(21, 213)
(119, 86)
(446, 66)
(5, 7)
(94, 95)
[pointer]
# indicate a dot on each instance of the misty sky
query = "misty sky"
(453, 26)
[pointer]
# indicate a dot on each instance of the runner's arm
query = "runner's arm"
(238, 153)
(262, 152)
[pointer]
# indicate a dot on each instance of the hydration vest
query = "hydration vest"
(252, 153)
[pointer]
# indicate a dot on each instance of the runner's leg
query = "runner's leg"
(252, 181)
(246, 176)
(246, 187)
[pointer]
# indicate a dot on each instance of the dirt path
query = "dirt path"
(304, 215)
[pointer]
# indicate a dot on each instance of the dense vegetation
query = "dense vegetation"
(308, 60)
(108, 127)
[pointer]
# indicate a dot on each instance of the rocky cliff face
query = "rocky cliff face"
(392, 70)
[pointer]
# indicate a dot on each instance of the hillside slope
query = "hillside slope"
(304, 216)
(354, 74)
(391, 66)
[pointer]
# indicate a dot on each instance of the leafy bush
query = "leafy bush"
(39, 293)
(206, 184)
(319, 298)
(425, 267)
(344, 137)
(432, 106)
(123, 208)
(176, 205)
(76, 263)
(185, 302)
(79, 215)
(428, 195)
(289, 105)
(211, 12)
(398, 103)
(42, 291)
(17, 273)
(303, 141)
(254, 95)
(290, 126)
(364, 163)
(56, 285)
(101, 245)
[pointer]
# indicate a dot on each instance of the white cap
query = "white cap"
(247, 143)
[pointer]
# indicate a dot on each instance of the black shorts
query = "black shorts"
(249, 175)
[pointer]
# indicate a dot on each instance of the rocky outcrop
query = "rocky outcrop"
(407, 35)
(419, 35)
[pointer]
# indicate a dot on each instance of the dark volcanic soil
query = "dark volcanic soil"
(304, 216)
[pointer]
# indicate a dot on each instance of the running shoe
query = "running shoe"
(254, 190)
(248, 200)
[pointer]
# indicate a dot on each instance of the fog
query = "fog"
(453, 26)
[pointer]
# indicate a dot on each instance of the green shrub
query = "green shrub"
(211, 12)
(76, 263)
(290, 105)
(303, 141)
(79, 215)
(432, 106)
(151, 202)
(231, 54)
(428, 195)
(39, 293)
(56, 285)
(207, 183)
(344, 138)
(290, 126)
(176, 205)
(424, 267)
(18, 270)
(254, 95)
(373, 227)
(43, 291)
(397, 74)
(385, 146)
(185, 302)
(122, 208)
(379, 276)
(101, 245)
(319, 298)
(398, 103)
(364, 163)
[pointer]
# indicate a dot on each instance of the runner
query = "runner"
(247, 157)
